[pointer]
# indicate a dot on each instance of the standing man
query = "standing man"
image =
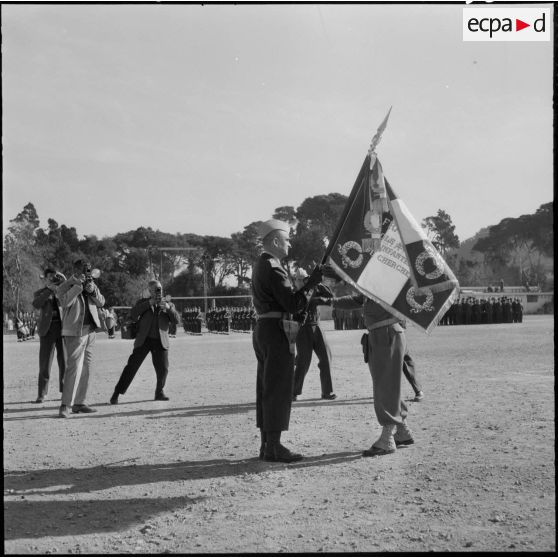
(386, 350)
(80, 299)
(274, 338)
(154, 316)
(50, 330)
(311, 339)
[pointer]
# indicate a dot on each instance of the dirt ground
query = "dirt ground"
(182, 476)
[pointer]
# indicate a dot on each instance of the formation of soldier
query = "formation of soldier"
(243, 318)
(192, 320)
(492, 310)
(218, 320)
(25, 324)
(348, 319)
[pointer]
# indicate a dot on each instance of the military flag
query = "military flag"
(380, 250)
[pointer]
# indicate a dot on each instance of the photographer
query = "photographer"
(50, 330)
(155, 316)
(80, 300)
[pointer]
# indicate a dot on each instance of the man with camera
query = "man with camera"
(154, 316)
(50, 330)
(80, 299)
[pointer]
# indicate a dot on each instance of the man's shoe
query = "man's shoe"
(63, 411)
(403, 435)
(329, 396)
(39, 400)
(83, 409)
(419, 396)
(279, 453)
(161, 397)
(384, 444)
(114, 399)
(373, 451)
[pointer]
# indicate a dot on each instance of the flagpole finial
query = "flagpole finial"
(378, 135)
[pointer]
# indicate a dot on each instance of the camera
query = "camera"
(57, 279)
(90, 273)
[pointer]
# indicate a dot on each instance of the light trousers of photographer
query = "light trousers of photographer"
(79, 361)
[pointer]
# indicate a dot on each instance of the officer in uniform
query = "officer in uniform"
(311, 339)
(274, 337)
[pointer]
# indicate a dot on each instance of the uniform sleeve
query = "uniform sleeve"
(283, 292)
(349, 302)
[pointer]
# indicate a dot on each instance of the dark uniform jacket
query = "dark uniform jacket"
(272, 289)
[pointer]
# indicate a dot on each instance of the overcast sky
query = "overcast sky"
(202, 119)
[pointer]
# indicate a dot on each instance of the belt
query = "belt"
(279, 315)
(383, 323)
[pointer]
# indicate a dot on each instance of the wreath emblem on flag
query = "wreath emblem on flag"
(416, 307)
(430, 254)
(344, 251)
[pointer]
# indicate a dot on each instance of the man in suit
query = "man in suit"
(274, 338)
(154, 316)
(50, 330)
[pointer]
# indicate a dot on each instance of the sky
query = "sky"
(204, 118)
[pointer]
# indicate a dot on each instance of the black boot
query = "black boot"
(263, 435)
(275, 451)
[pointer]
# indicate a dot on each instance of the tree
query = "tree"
(287, 214)
(246, 248)
(317, 220)
(20, 268)
(441, 232)
(520, 243)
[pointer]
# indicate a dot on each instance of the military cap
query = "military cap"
(273, 225)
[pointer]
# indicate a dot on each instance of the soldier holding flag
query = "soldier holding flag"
(274, 338)
(382, 253)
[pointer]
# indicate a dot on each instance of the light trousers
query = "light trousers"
(387, 347)
(79, 361)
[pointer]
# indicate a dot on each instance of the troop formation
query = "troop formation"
(493, 310)
(348, 319)
(192, 320)
(231, 318)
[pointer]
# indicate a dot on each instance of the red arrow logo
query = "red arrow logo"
(519, 25)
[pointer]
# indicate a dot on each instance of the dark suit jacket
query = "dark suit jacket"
(43, 299)
(143, 314)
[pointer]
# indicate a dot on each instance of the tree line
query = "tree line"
(185, 263)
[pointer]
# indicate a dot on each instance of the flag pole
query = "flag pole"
(367, 165)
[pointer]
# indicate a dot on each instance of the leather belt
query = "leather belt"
(279, 315)
(383, 323)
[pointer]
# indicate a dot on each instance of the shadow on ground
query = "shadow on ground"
(81, 517)
(182, 412)
(102, 477)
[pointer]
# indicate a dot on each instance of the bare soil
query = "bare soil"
(183, 476)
